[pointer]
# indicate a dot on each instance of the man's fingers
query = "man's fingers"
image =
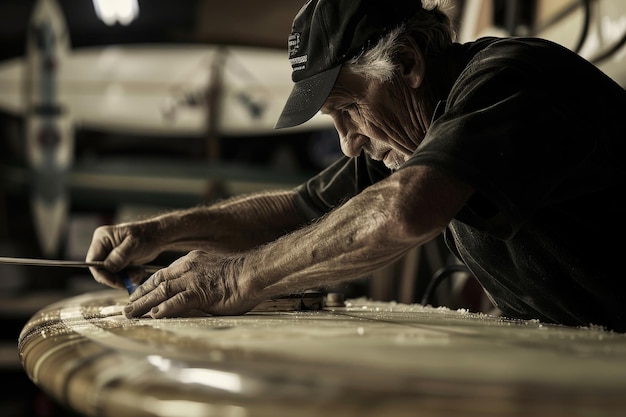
(151, 303)
(156, 290)
(172, 307)
(148, 285)
(140, 306)
(118, 259)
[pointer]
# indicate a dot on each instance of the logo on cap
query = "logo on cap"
(293, 44)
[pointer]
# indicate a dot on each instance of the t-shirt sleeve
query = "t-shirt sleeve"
(336, 184)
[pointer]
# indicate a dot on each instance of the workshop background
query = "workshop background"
(162, 105)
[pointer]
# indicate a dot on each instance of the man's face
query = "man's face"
(374, 116)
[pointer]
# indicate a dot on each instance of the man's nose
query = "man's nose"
(352, 143)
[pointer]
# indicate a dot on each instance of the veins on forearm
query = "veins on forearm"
(235, 224)
(350, 242)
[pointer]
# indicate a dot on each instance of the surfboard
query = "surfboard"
(49, 128)
(161, 89)
(361, 358)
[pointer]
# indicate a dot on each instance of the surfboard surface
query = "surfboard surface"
(365, 359)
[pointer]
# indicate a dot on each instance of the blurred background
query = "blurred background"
(112, 110)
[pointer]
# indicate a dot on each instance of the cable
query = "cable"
(586, 23)
(585, 32)
(586, 4)
(608, 53)
(438, 278)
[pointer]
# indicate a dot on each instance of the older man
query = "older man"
(511, 147)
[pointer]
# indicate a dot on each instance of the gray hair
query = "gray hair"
(431, 28)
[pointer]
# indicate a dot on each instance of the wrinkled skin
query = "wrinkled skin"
(366, 118)
(207, 280)
(251, 248)
(197, 282)
(120, 246)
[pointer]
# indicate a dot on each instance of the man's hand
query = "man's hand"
(119, 247)
(198, 281)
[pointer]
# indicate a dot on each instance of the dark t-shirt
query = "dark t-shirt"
(540, 133)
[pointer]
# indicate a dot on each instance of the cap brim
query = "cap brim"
(307, 97)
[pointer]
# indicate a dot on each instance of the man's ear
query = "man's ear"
(412, 64)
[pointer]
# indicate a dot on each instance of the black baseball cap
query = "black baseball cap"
(324, 35)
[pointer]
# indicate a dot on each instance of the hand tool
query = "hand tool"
(130, 287)
(290, 302)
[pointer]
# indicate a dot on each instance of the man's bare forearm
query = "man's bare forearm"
(367, 232)
(238, 223)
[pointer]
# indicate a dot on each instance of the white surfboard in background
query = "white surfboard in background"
(146, 89)
(161, 89)
(49, 130)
